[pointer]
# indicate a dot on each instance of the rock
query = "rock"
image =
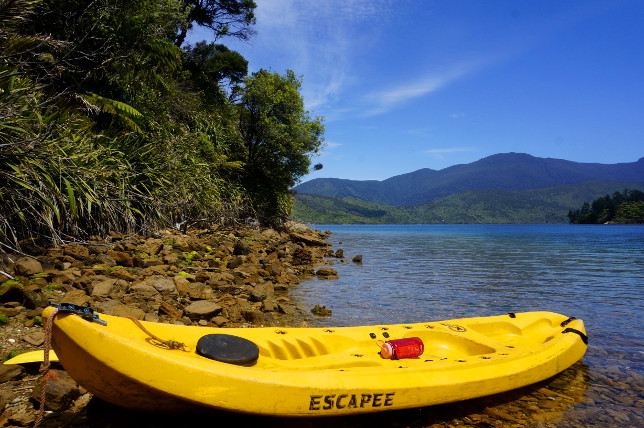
(258, 318)
(234, 308)
(171, 259)
(235, 262)
(219, 320)
(6, 396)
(261, 292)
(12, 311)
(182, 285)
(108, 306)
(149, 262)
(171, 311)
(357, 259)
(128, 311)
(106, 260)
(33, 299)
(122, 258)
(327, 273)
(152, 246)
(339, 254)
(60, 392)
(36, 338)
(308, 240)
(200, 291)
(151, 318)
(22, 419)
(122, 273)
(144, 290)
(79, 252)
(202, 276)
(287, 308)
(109, 287)
(241, 248)
(11, 372)
(321, 311)
(274, 270)
(269, 306)
(302, 256)
(202, 309)
(77, 297)
(181, 244)
(27, 266)
(162, 284)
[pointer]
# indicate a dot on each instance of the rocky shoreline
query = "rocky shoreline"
(241, 277)
(215, 277)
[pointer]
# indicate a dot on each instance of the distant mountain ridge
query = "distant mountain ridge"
(506, 171)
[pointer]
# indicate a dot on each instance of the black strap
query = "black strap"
(582, 335)
(568, 321)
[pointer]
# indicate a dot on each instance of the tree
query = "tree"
(214, 67)
(278, 136)
(224, 17)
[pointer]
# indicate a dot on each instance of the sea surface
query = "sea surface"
(417, 273)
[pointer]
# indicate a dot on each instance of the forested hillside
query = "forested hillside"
(622, 207)
(505, 171)
(546, 205)
(110, 121)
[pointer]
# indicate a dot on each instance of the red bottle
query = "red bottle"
(397, 349)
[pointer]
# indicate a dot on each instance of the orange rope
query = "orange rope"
(44, 367)
(171, 344)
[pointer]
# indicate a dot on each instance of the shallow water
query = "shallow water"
(414, 273)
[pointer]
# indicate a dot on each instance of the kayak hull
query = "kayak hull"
(315, 371)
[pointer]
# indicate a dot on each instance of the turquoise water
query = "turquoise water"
(415, 273)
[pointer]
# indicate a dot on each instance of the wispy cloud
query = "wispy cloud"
(315, 39)
(441, 154)
(388, 99)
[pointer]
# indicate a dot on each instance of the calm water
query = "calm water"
(414, 273)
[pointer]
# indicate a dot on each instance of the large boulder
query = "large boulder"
(241, 248)
(109, 287)
(11, 372)
(27, 266)
(164, 285)
(60, 392)
(79, 252)
(122, 258)
(202, 310)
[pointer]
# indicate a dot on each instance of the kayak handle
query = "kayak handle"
(85, 312)
(582, 335)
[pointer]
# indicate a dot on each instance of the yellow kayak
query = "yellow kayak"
(312, 371)
(31, 357)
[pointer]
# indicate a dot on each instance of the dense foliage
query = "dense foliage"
(108, 122)
(624, 207)
(545, 205)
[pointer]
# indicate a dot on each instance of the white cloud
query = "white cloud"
(316, 40)
(384, 101)
(441, 153)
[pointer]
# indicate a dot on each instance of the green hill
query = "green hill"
(507, 171)
(543, 205)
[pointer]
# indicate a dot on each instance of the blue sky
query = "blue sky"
(410, 84)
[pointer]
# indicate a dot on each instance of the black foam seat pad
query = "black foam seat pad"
(228, 349)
